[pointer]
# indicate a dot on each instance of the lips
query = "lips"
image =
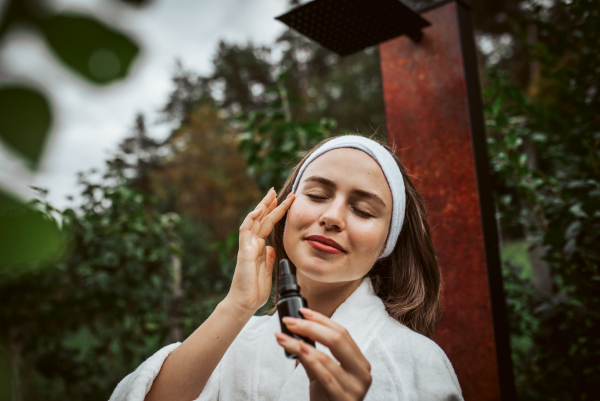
(325, 244)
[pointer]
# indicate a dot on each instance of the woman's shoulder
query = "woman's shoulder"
(392, 331)
(411, 352)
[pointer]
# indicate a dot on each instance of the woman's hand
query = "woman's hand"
(251, 284)
(348, 380)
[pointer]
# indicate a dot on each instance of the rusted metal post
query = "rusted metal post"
(434, 116)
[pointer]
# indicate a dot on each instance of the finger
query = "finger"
(322, 368)
(341, 344)
(272, 205)
(266, 210)
(270, 259)
(297, 347)
(246, 226)
(271, 194)
(264, 204)
(290, 344)
(265, 266)
(314, 316)
(316, 391)
(312, 357)
(310, 314)
(269, 222)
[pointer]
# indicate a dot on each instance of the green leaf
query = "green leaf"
(98, 52)
(496, 105)
(25, 121)
(554, 236)
(573, 229)
(26, 234)
(136, 2)
(577, 210)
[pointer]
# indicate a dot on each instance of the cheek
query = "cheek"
(368, 236)
(301, 215)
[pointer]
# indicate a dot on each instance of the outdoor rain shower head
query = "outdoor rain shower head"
(348, 26)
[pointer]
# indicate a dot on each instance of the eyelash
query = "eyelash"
(359, 212)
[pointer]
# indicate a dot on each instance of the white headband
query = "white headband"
(390, 170)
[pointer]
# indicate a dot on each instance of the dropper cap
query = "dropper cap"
(287, 284)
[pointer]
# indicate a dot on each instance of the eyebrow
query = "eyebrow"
(359, 192)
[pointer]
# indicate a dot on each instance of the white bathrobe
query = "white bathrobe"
(404, 365)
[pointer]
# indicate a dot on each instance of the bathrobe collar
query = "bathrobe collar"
(361, 314)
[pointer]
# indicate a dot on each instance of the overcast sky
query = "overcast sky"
(91, 121)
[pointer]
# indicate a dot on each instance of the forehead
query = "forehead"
(349, 167)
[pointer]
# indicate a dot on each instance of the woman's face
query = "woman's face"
(338, 225)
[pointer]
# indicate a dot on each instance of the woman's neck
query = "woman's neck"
(325, 298)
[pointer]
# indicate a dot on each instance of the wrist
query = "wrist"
(232, 308)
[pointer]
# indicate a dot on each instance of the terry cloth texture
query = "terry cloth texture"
(390, 170)
(404, 365)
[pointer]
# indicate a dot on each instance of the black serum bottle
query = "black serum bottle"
(290, 301)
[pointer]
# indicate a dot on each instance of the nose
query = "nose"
(334, 218)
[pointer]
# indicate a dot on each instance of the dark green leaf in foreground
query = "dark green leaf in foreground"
(136, 2)
(26, 234)
(25, 120)
(98, 52)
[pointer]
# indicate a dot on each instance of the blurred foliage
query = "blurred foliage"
(273, 141)
(544, 143)
(75, 328)
(83, 44)
(318, 83)
(78, 326)
(25, 121)
(23, 225)
(29, 235)
(203, 177)
(90, 48)
(516, 253)
(523, 323)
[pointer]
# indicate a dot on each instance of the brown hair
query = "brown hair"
(409, 280)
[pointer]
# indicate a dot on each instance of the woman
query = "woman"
(355, 231)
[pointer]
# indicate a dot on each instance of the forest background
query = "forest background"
(150, 248)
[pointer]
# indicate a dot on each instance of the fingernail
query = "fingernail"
(307, 312)
(257, 207)
(280, 339)
(290, 321)
(304, 349)
(289, 195)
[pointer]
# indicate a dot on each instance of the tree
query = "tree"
(76, 327)
(89, 48)
(204, 178)
(555, 196)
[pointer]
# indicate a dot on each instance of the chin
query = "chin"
(317, 268)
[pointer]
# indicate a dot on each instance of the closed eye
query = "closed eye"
(363, 214)
(315, 197)
(357, 211)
